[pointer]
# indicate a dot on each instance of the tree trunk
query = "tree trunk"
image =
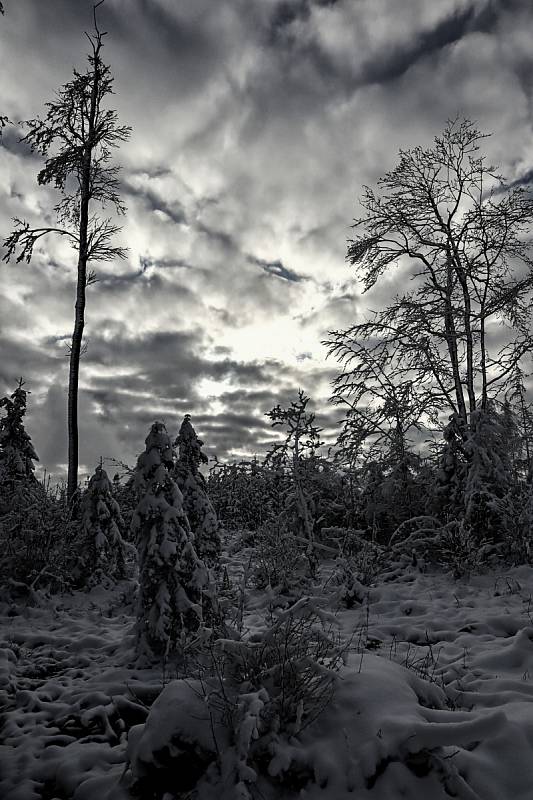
(74, 370)
(467, 316)
(451, 341)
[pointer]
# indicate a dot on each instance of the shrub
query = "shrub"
(38, 542)
(277, 557)
(241, 706)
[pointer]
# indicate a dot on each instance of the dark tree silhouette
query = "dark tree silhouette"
(76, 138)
(302, 440)
(462, 237)
(17, 453)
(196, 503)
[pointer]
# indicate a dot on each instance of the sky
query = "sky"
(255, 125)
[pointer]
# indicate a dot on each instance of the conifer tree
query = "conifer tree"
(172, 577)
(102, 525)
(488, 478)
(17, 453)
(452, 472)
(196, 503)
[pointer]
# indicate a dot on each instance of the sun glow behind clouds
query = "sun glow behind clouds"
(255, 125)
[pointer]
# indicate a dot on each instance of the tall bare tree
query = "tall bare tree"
(461, 236)
(76, 138)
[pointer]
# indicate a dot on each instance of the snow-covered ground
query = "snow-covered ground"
(436, 698)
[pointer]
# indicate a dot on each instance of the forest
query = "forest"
(339, 617)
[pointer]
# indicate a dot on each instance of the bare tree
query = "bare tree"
(76, 138)
(449, 220)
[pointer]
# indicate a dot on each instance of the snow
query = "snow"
(435, 700)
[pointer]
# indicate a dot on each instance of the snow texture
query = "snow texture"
(435, 700)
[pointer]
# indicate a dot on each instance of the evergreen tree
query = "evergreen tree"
(452, 472)
(172, 578)
(102, 525)
(124, 492)
(488, 479)
(196, 503)
(17, 453)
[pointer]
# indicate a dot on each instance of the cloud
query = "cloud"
(276, 268)
(255, 124)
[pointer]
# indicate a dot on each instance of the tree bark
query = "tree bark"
(451, 341)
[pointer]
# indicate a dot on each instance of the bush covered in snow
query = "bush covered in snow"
(39, 542)
(172, 577)
(253, 695)
(196, 503)
(17, 453)
(102, 525)
(38, 538)
(278, 558)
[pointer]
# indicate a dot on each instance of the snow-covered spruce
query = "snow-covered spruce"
(102, 525)
(488, 479)
(453, 467)
(17, 453)
(196, 503)
(171, 575)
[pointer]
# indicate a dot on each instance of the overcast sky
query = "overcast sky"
(255, 124)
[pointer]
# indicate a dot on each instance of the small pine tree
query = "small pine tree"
(488, 480)
(196, 502)
(172, 577)
(17, 453)
(452, 471)
(125, 494)
(102, 525)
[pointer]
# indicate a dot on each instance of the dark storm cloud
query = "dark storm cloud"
(173, 358)
(155, 282)
(260, 399)
(525, 179)
(153, 202)
(158, 378)
(390, 66)
(22, 358)
(164, 263)
(277, 268)
(386, 65)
